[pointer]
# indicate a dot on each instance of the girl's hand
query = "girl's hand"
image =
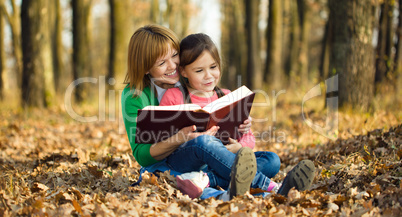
(234, 146)
(187, 133)
(245, 126)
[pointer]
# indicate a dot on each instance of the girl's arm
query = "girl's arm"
(172, 96)
(247, 140)
(246, 126)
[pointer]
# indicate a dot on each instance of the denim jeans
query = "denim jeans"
(208, 150)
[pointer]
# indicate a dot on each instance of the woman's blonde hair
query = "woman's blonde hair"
(146, 45)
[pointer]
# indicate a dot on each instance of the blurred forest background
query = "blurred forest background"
(344, 53)
(265, 44)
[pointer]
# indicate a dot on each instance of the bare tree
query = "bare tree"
(81, 47)
(286, 33)
(273, 66)
(14, 20)
(383, 52)
(305, 24)
(233, 43)
(155, 12)
(352, 55)
(398, 55)
(35, 32)
(56, 28)
(326, 49)
(178, 14)
(119, 34)
(254, 67)
(2, 53)
(294, 45)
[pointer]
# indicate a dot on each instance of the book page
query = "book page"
(234, 96)
(180, 107)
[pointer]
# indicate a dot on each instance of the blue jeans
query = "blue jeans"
(208, 150)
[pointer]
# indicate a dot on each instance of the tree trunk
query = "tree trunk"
(352, 51)
(233, 44)
(381, 60)
(154, 14)
(326, 50)
(119, 33)
(227, 75)
(286, 32)
(14, 19)
(255, 77)
(178, 15)
(81, 47)
(46, 51)
(292, 62)
(273, 66)
(57, 45)
(2, 53)
(33, 36)
(390, 37)
(305, 24)
(398, 56)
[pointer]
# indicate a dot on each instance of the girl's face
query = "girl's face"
(164, 71)
(203, 74)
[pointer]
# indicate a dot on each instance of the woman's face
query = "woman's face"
(164, 71)
(203, 74)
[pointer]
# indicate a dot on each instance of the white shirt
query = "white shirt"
(161, 91)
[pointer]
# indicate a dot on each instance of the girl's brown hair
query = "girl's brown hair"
(191, 47)
(146, 45)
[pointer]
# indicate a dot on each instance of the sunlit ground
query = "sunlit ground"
(53, 164)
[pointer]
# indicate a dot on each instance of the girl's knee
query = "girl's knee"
(208, 142)
(269, 163)
(276, 161)
(207, 139)
(203, 141)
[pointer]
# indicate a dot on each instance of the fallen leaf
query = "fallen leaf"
(37, 187)
(95, 171)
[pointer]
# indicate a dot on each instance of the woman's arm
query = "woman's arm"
(148, 154)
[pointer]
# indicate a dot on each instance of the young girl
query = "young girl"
(200, 70)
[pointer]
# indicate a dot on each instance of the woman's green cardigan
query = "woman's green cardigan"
(130, 106)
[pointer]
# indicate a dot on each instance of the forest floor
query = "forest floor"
(53, 165)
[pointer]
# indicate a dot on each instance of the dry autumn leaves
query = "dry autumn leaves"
(55, 166)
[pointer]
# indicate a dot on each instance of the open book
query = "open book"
(156, 123)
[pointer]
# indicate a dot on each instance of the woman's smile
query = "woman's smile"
(172, 74)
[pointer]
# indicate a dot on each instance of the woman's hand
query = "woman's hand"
(245, 126)
(187, 133)
(234, 146)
